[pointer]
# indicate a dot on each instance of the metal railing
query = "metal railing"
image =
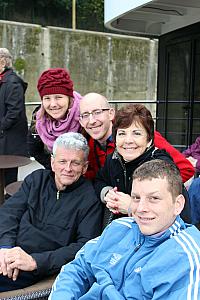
(110, 101)
(120, 102)
(114, 102)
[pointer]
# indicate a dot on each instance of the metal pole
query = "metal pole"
(74, 14)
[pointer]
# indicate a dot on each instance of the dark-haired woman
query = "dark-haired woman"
(133, 132)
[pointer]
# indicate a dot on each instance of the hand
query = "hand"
(192, 160)
(3, 265)
(17, 258)
(111, 201)
(118, 202)
(5, 269)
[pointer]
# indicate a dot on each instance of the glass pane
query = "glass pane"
(178, 110)
(179, 118)
(179, 71)
(196, 127)
(197, 72)
(178, 140)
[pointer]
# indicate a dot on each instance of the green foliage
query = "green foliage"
(89, 13)
(37, 3)
(91, 10)
(55, 3)
(19, 64)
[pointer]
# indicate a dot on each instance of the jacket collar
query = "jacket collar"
(147, 154)
(171, 232)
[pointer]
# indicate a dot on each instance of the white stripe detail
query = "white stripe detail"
(92, 241)
(178, 224)
(123, 223)
(189, 253)
(175, 229)
(192, 240)
(127, 219)
(196, 256)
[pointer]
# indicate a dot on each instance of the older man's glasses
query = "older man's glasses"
(95, 114)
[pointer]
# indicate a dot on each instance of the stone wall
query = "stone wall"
(118, 66)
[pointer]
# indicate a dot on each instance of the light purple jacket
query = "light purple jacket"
(194, 151)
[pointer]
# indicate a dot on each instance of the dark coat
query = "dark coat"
(117, 172)
(49, 225)
(13, 121)
(36, 147)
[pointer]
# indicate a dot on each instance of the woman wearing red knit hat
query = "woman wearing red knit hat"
(58, 113)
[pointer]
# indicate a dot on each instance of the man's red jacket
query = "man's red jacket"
(98, 154)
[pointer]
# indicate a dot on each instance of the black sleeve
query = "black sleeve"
(103, 177)
(163, 155)
(11, 213)
(36, 147)
(14, 102)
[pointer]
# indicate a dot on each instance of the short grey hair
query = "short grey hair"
(72, 140)
(4, 53)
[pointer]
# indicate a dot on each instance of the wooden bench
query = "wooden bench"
(37, 291)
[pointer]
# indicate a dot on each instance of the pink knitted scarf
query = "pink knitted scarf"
(49, 129)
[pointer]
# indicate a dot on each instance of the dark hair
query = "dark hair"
(158, 168)
(130, 113)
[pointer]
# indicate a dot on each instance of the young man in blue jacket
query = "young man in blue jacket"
(50, 218)
(152, 255)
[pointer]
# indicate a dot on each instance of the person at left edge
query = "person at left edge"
(50, 218)
(13, 121)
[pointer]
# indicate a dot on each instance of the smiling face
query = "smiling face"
(132, 142)
(68, 165)
(153, 206)
(99, 127)
(56, 105)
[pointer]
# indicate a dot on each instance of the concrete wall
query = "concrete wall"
(120, 67)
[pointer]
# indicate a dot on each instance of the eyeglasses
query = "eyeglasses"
(95, 113)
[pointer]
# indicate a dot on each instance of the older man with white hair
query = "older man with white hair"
(50, 218)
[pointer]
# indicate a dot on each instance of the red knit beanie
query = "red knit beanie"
(55, 81)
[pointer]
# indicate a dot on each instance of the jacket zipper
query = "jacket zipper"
(134, 251)
(124, 171)
(57, 195)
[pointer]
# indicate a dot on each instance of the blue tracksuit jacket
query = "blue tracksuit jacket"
(125, 264)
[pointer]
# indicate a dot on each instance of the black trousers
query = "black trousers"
(24, 279)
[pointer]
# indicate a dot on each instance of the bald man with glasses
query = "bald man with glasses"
(96, 116)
